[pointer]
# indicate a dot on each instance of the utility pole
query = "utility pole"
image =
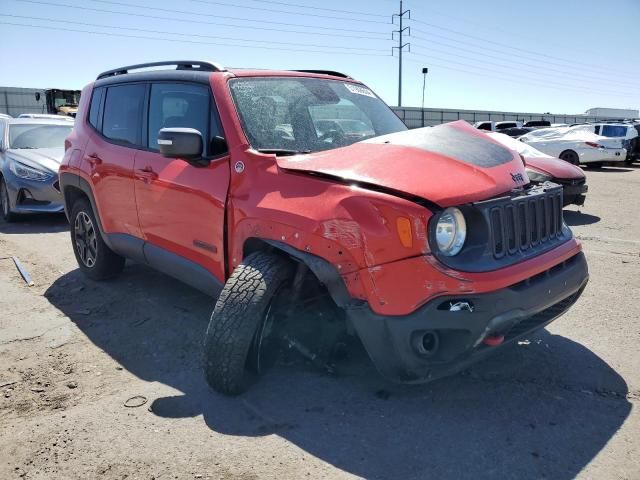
(425, 70)
(401, 29)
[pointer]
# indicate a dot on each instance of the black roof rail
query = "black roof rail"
(325, 72)
(197, 65)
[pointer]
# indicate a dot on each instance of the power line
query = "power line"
(564, 60)
(289, 4)
(162, 32)
(515, 75)
(514, 78)
(110, 34)
(485, 49)
(287, 12)
(515, 34)
(538, 69)
(194, 21)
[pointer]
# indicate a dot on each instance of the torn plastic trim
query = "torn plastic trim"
(326, 273)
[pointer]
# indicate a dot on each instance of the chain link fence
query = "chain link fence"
(414, 117)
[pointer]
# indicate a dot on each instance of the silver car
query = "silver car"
(30, 154)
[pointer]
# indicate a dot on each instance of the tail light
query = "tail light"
(594, 145)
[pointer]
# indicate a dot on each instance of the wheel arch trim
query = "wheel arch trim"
(324, 271)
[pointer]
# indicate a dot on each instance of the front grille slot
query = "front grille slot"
(525, 222)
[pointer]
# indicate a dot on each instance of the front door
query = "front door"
(181, 206)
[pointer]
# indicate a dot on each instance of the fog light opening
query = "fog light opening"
(427, 344)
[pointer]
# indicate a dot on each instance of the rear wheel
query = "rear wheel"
(241, 339)
(5, 204)
(571, 157)
(96, 260)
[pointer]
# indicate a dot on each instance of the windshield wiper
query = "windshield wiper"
(282, 151)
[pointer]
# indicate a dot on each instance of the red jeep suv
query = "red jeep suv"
(262, 187)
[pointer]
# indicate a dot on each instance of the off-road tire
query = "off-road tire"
(107, 264)
(238, 316)
(5, 205)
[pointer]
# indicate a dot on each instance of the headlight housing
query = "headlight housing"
(451, 232)
(536, 176)
(28, 173)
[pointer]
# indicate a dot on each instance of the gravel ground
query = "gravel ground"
(102, 380)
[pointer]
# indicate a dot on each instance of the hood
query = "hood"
(449, 164)
(48, 158)
(554, 167)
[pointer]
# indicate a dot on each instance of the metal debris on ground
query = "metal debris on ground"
(305, 352)
(23, 272)
(135, 401)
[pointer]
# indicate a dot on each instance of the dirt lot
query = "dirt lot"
(74, 352)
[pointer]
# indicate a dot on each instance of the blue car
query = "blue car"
(30, 152)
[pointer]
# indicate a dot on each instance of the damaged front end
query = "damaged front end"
(444, 248)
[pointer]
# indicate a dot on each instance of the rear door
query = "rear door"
(116, 134)
(181, 206)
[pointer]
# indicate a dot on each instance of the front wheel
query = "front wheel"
(240, 336)
(5, 204)
(96, 260)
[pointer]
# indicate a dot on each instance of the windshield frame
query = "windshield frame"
(278, 151)
(11, 140)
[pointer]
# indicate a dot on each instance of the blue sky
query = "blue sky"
(543, 56)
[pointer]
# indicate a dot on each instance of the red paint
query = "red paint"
(178, 204)
(555, 167)
(412, 170)
(172, 204)
(493, 341)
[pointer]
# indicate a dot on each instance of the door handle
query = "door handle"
(146, 174)
(93, 159)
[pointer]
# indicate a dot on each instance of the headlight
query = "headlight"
(28, 173)
(536, 176)
(451, 232)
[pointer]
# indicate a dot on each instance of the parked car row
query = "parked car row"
(584, 143)
(542, 168)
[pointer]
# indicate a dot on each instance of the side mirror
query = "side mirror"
(180, 143)
(37, 96)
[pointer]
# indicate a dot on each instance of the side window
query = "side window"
(94, 108)
(122, 118)
(177, 105)
(1, 134)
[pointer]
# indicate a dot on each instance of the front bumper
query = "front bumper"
(394, 343)
(573, 193)
(30, 196)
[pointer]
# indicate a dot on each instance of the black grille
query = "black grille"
(540, 318)
(525, 222)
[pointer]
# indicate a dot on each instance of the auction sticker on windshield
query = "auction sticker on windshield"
(358, 90)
